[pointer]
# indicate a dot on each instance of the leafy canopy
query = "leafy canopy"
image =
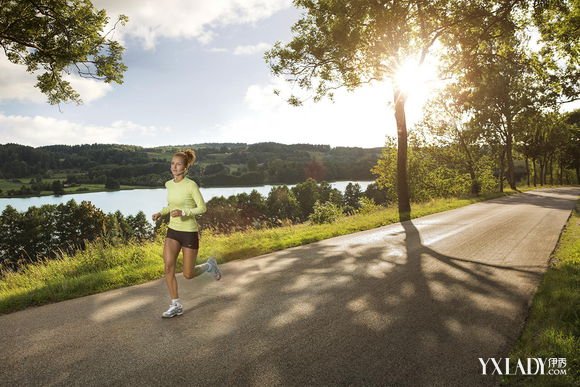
(57, 37)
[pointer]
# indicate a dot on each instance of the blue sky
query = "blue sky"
(196, 74)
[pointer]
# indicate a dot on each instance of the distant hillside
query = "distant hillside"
(218, 164)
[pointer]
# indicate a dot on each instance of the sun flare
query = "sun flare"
(415, 80)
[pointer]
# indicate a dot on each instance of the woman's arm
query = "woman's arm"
(199, 202)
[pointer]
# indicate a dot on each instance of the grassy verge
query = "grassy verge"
(553, 326)
(102, 267)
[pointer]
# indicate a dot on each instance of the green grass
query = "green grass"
(553, 326)
(6, 185)
(104, 267)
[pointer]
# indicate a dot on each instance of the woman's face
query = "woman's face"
(177, 165)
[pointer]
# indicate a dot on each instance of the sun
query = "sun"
(419, 83)
(415, 80)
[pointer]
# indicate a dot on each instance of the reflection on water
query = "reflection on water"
(130, 202)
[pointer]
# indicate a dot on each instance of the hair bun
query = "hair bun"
(190, 154)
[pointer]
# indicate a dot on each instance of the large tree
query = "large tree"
(447, 123)
(503, 84)
(350, 43)
(57, 37)
(509, 73)
(558, 21)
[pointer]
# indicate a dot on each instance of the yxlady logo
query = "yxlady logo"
(532, 366)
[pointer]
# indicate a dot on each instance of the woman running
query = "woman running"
(184, 203)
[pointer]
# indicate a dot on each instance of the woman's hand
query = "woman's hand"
(176, 213)
(156, 216)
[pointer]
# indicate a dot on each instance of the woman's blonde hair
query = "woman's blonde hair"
(188, 156)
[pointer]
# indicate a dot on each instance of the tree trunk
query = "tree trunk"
(551, 171)
(528, 170)
(577, 173)
(561, 178)
(475, 186)
(535, 172)
(402, 180)
(501, 168)
(510, 161)
(546, 174)
(542, 172)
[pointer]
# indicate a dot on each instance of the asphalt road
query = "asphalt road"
(408, 304)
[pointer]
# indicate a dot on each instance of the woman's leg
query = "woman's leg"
(170, 253)
(190, 270)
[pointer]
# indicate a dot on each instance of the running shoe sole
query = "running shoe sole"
(179, 313)
(217, 274)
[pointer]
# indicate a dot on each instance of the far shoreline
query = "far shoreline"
(128, 188)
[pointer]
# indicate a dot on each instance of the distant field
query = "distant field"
(6, 185)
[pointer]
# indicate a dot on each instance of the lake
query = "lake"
(150, 200)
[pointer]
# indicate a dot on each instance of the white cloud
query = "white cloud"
(39, 131)
(17, 84)
(252, 49)
(150, 20)
(359, 118)
(89, 89)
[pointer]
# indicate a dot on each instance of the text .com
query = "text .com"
(529, 366)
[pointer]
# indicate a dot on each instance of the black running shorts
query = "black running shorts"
(189, 239)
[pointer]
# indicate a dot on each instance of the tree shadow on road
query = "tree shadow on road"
(366, 316)
(384, 310)
(541, 198)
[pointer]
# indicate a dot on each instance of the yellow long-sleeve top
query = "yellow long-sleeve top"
(184, 196)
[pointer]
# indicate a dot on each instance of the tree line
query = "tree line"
(48, 231)
(217, 165)
(449, 158)
(284, 205)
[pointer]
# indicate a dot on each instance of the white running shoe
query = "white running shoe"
(174, 310)
(214, 269)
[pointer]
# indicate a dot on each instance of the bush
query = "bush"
(325, 213)
(367, 206)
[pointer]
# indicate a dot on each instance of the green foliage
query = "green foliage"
(307, 193)
(557, 22)
(140, 228)
(214, 169)
(434, 172)
(58, 37)
(552, 329)
(250, 211)
(352, 195)
(346, 44)
(282, 204)
(222, 216)
(48, 231)
(378, 195)
(252, 164)
(57, 187)
(137, 166)
(367, 206)
(325, 213)
(112, 183)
